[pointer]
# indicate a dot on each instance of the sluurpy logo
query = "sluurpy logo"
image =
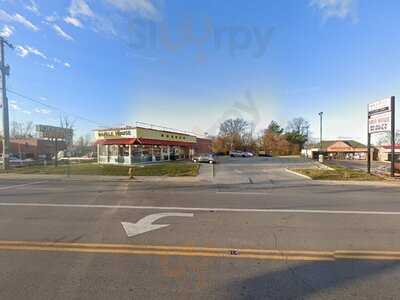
(147, 36)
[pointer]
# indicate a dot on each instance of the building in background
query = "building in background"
(130, 145)
(34, 148)
(338, 149)
(385, 153)
(55, 133)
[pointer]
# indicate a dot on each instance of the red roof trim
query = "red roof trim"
(390, 147)
(115, 142)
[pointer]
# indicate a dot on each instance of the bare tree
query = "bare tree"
(299, 126)
(385, 138)
(66, 122)
(234, 133)
(232, 127)
(20, 130)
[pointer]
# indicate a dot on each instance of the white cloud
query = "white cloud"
(27, 112)
(80, 8)
(144, 7)
(33, 7)
(341, 9)
(36, 52)
(67, 65)
(62, 33)
(7, 31)
(21, 19)
(50, 66)
(17, 18)
(56, 60)
(42, 111)
(23, 51)
(43, 98)
(73, 21)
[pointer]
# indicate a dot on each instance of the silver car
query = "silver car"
(204, 158)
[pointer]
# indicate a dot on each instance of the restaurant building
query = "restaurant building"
(130, 145)
(338, 149)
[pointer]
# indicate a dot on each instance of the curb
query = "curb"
(100, 178)
(298, 174)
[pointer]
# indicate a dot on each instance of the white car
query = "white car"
(207, 158)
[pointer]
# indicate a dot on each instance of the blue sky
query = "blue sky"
(191, 64)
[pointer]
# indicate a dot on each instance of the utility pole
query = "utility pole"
(393, 136)
(5, 71)
(320, 129)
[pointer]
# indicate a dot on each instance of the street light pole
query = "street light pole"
(5, 70)
(320, 130)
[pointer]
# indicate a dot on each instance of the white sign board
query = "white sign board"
(379, 116)
(380, 122)
(380, 106)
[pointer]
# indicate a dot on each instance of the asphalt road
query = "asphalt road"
(254, 232)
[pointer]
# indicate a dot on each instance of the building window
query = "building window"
(113, 150)
(102, 150)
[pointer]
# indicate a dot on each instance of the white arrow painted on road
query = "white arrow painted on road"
(146, 224)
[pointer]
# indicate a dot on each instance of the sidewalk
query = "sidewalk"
(205, 175)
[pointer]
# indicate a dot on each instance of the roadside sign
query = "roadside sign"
(380, 122)
(380, 106)
(381, 118)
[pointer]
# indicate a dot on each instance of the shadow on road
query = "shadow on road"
(333, 280)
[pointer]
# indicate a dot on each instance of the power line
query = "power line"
(56, 108)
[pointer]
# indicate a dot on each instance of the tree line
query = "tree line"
(237, 134)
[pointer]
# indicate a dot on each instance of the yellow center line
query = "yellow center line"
(162, 250)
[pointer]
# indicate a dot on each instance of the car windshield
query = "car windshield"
(201, 149)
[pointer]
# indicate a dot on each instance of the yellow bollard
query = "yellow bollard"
(131, 173)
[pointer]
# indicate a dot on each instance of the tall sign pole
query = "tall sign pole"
(6, 131)
(369, 154)
(393, 137)
(320, 130)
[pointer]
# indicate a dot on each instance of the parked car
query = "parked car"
(240, 154)
(204, 158)
(236, 154)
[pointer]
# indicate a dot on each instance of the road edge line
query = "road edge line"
(298, 174)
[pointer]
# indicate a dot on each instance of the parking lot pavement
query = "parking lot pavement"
(258, 170)
(376, 166)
